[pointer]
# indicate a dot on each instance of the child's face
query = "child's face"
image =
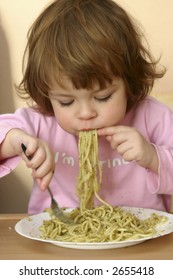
(82, 109)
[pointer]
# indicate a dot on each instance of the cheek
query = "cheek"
(64, 120)
(115, 115)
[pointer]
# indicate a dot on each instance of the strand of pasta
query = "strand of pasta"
(90, 173)
(103, 223)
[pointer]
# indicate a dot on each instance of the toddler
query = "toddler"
(86, 67)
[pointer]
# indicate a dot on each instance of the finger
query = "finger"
(38, 158)
(29, 148)
(46, 166)
(117, 140)
(128, 155)
(45, 181)
(108, 131)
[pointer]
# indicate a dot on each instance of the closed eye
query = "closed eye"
(64, 104)
(103, 99)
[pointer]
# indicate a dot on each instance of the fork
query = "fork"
(58, 211)
(54, 204)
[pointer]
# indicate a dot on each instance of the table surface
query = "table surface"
(16, 247)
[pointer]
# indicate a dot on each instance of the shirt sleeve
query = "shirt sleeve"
(161, 136)
(20, 119)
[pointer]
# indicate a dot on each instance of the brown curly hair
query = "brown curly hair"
(88, 41)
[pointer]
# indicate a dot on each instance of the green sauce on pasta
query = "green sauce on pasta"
(103, 223)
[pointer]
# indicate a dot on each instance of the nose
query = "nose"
(86, 112)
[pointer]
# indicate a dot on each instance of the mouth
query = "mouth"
(86, 129)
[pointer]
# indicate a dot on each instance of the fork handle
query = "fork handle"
(50, 192)
(24, 150)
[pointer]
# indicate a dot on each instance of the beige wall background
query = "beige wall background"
(15, 19)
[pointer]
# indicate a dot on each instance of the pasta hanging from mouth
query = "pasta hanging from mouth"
(103, 223)
(90, 172)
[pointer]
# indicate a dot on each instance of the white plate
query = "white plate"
(29, 227)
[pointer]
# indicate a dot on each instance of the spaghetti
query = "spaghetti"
(103, 223)
(90, 173)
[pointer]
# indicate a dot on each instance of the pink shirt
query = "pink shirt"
(124, 183)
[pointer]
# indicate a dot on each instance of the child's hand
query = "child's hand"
(131, 145)
(41, 161)
(41, 157)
